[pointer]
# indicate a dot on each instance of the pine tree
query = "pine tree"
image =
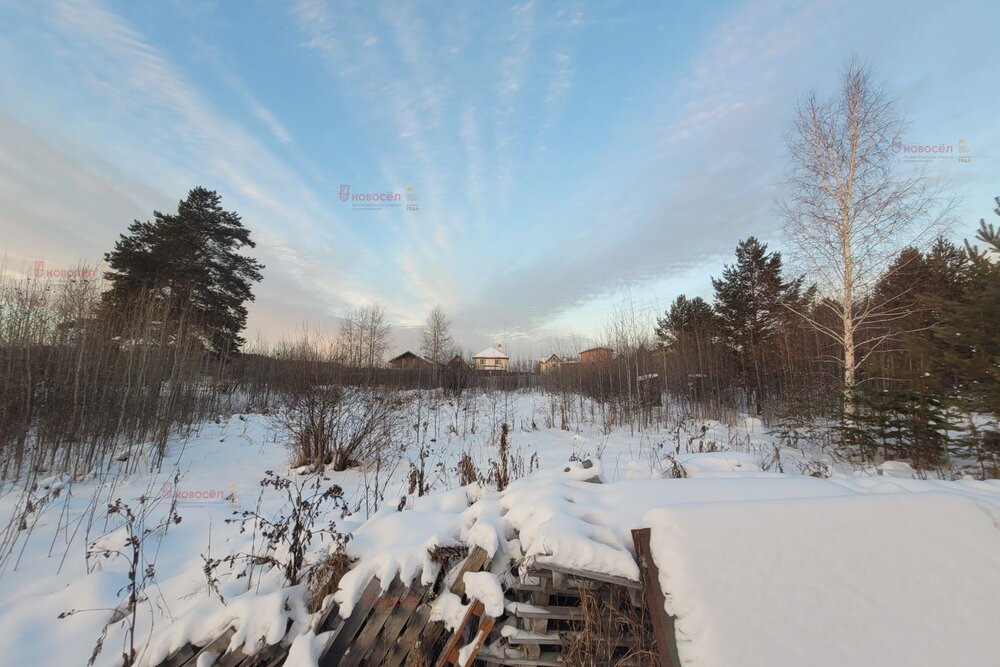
(749, 301)
(190, 260)
(687, 318)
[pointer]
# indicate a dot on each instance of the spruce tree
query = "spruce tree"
(968, 335)
(190, 260)
(967, 345)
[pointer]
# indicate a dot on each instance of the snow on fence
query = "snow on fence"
(732, 568)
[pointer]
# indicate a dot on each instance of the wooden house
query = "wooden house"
(596, 355)
(552, 363)
(410, 361)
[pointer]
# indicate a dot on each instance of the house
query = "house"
(457, 363)
(410, 361)
(456, 374)
(552, 363)
(491, 359)
(596, 355)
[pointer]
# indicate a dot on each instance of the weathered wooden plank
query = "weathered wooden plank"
(269, 656)
(548, 659)
(549, 612)
(329, 619)
(540, 598)
(474, 562)
(539, 569)
(216, 647)
(450, 654)
(528, 639)
(365, 640)
(181, 656)
(404, 611)
(349, 629)
(663, 624)
(410, 639)
(476, 645)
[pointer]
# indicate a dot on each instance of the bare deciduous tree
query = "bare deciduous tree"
(436, 341)
(849, 210)
(365, 336)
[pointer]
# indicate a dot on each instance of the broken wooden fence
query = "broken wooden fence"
(559, 616)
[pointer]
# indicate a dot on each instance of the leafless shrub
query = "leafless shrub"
(677, 470)
(285, 539)
(339, 426)
(814, 468)
(142, 568)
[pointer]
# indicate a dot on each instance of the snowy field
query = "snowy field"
(746, 539)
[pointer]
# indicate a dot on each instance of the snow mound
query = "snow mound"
(880, 579)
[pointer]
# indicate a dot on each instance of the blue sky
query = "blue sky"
(564, 156)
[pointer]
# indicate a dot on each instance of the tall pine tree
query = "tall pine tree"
(749, 301)
(190, 260)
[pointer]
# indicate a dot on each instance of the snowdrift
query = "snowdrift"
(908, 579)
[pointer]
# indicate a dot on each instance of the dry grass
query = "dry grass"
(612, 632)
(325, 577)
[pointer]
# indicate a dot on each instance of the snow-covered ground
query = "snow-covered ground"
(763, 518)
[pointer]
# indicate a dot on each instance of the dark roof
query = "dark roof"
(457, 359)
(594, 349)
(407, 354)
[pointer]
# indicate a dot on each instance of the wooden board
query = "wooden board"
(663, 623)
(349, 629)
(476, 561)
(381, 611)
(414, 599)
(410, 639)
(450, 654)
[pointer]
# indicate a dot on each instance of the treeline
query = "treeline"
(927, 367)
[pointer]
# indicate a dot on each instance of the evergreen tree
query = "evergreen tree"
(967, 343)
(750, 300)
(968, 336)
(687, 318)
(190, 260)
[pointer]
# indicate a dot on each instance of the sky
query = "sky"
(547, 161)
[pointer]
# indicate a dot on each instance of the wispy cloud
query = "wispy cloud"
(138, 77)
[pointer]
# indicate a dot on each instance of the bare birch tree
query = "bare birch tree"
(849, 211)
(364, 337)
(436, 341)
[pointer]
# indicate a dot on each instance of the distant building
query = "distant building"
(456, 374)
(552, 363)
(491, 359)
(596, 355)
(459, 364)
(410, 361)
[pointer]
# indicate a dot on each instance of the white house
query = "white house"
(491, 359)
